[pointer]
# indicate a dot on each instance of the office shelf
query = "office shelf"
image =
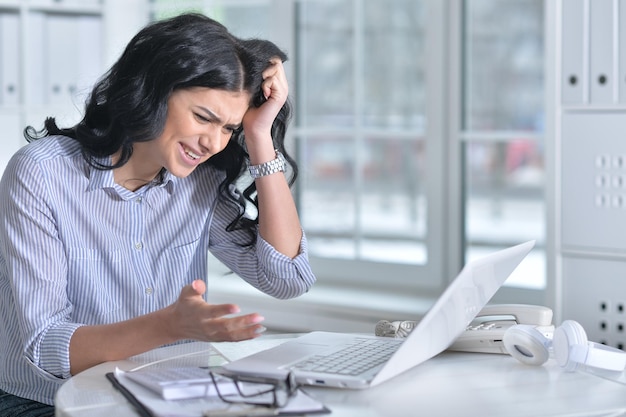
(51, 52)
(591, 166)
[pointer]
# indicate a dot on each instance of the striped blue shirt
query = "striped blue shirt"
(78, 249)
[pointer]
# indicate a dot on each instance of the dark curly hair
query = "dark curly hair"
(129, 103)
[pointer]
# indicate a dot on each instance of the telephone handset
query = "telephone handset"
(486, 331)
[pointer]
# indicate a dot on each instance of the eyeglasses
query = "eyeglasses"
(257, 391)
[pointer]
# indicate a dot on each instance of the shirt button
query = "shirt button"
(148, 291)
(138, 200)
(138, 245)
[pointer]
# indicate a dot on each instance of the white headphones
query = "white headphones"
(569, 346)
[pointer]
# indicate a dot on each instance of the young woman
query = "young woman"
(105, 226)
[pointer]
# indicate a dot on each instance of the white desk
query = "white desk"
(451, 384)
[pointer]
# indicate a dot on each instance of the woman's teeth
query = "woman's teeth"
(191, 154)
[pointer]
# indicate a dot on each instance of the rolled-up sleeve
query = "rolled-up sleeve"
(282, 276)
(261, 265)
(55, 358)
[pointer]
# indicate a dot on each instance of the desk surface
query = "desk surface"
(451, 384)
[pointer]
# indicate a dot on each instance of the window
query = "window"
(502, 131)
(386, 138)
(245, 18)
(361, 136)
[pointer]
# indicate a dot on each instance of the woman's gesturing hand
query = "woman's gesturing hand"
(193, 318)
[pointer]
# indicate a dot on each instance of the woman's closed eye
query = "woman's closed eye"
(229, 129)
(201, 118)
(234, 129)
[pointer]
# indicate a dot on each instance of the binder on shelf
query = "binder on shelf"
(74, 57)
(9, 59)
(12, 137)
(36, 69)
(601, 52)
(61, 39)
(621, 47)
(89, 54)
(574, 76)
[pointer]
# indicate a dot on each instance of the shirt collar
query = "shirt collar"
(103, 178)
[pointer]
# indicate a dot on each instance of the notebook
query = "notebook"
(449, 316)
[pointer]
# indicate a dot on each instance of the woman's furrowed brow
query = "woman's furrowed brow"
(210, 114)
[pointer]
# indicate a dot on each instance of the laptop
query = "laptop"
(458, 305)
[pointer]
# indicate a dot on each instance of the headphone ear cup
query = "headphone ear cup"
(570, 345)
(526, 344)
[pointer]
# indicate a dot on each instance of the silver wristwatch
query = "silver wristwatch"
(270, 167)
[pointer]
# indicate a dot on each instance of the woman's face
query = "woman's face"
(200, 122)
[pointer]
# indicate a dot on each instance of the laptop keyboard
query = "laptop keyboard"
(354, 359)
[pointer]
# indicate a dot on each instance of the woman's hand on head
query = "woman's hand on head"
(258, 121)
(192, 318)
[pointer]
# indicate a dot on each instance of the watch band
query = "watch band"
(267, 168)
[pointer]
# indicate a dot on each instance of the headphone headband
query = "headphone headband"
(605, 357)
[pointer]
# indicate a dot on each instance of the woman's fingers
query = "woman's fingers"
(258, 121)
(234, 328)
(193, 318)
(275, 84)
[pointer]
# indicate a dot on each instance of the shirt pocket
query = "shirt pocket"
(183, 262)
(96, 279)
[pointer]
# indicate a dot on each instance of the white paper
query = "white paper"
(197, 407)
(237, 350)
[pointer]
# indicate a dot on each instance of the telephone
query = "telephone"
(486, 332)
